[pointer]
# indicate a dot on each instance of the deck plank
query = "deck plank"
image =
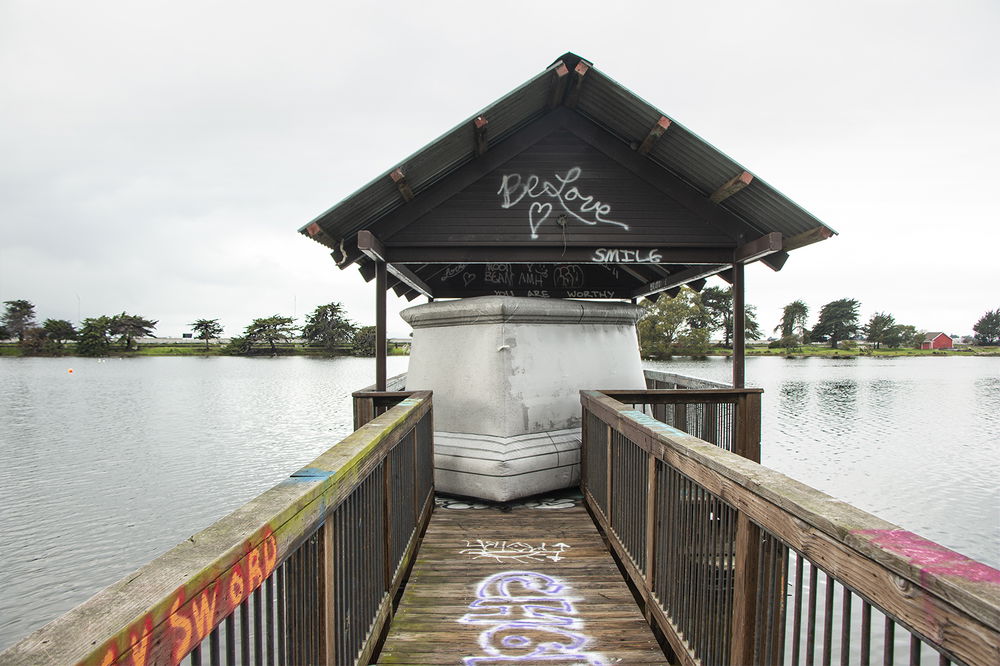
(527, 586)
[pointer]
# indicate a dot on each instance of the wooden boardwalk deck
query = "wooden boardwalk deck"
(528, 586)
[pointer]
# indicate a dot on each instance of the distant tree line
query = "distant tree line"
(683, 324)
(327, 328)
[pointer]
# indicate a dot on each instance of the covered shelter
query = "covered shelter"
(569, 186)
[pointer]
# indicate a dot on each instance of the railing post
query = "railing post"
(328, 643)
(650, 516)
(747, 426)
(745, 591)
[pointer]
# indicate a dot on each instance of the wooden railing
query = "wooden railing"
(306, 573)
(369, 403)
(738, 564)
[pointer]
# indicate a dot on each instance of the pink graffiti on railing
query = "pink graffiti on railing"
(930, 557)
(528, 617)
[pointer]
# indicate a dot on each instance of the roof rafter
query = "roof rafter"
(654, 135)
(731, 187)
(399, 178)
(479, 126)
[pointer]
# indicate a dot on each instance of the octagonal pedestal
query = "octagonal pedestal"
(506, 374)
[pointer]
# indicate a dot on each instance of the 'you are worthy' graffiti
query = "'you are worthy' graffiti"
(546, 195)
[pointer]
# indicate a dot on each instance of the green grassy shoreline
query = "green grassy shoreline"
(12, 349)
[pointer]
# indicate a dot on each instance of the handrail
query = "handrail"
(305, 572)
(716, 544)
(726, 417)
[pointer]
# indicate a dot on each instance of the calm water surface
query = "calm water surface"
(104, 468)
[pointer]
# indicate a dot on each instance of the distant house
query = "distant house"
(937, 340)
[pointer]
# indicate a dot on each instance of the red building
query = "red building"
(936, 340)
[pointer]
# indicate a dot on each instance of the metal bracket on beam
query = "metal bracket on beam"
(654, 135)
(731, 187)
(757, 249)
(479, 124)
(399, 178)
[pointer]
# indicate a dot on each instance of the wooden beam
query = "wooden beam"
(739, 327)
(698, 285)
(468, 174)
(814, 235)
(775, 261)
(372, 248)
(479, 126)
(685, 194)
(654, 135)
(399, 178)
(558, 90)
(731, 187)
(680, 278)
(761, 247)
(380, 326)
(346, 252)
(573, 96)
(550, 254)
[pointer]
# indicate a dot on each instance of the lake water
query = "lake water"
(108, 466)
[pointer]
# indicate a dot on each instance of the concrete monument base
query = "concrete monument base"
(506, 374)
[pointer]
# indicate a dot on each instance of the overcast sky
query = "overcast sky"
(158, 157)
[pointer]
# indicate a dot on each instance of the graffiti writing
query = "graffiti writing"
(591, 293)
(452, 271)
(931, 557)
(517, 551)
(568, 277)
(499, 274)
(583, 208)
(603, 255)
(528, 617)
(178, 625)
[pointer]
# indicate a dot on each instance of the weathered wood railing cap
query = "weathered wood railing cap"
(130, 614)
(969, 585)
(517, 310)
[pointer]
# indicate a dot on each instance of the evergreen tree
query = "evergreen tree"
(128, 327)
(18, 317)
(207, 329)
(328, 327)
(793, 320)
(838, 320)
(271, 330)
(93, 337)
(58, 331)
(987, 329)
(364, 341)
(879, 328)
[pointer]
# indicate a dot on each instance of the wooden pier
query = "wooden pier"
(349, 562)
(491, 587)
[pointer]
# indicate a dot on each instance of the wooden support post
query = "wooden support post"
(745, 591)
(739, 326)
(328, 639)
(747, 440)
(380, 321)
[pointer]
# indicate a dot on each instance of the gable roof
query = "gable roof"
(931, 335)
(665, 207)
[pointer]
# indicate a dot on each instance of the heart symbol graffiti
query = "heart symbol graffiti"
(467, 278)
(543, 210)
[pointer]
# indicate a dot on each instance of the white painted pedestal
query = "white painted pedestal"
(506, 374)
